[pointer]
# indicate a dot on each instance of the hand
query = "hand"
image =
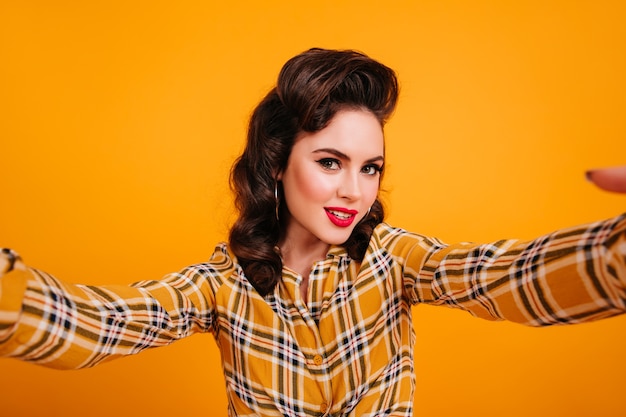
(9, 260)
(609, 179)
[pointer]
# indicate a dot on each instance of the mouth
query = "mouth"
(340, 216)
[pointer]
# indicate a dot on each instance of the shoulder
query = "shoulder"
(400, 242)
(221, 266)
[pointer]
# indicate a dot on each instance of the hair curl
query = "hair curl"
(312, 87)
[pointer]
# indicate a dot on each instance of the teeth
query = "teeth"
(341, 215)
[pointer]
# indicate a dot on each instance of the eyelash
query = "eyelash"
(332, 164)
(327, 163)
(376, 168)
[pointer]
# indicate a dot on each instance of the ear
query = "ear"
(279, 175)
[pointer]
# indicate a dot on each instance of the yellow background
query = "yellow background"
(119, 121)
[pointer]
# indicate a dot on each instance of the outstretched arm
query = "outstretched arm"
(60, 325)
(569, 276)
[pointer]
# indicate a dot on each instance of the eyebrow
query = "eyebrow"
(342, 155)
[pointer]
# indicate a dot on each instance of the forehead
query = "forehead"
(351, 131)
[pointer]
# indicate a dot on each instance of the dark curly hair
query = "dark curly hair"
(312, 87)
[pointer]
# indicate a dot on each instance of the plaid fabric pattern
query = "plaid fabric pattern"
(349, 352)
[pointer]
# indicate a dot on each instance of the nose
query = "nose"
(350, 186)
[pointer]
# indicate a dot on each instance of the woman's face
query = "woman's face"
(332, 178)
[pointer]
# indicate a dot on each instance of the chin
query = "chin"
(337, 238)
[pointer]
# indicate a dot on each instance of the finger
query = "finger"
(609, 179)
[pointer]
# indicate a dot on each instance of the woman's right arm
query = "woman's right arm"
(60, 325)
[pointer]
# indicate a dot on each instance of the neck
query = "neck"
(296, 250)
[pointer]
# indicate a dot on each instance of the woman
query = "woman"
(309, 302)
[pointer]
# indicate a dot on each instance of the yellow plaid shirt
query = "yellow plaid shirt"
(349, 352)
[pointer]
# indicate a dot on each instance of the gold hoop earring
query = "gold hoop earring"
(276, 199)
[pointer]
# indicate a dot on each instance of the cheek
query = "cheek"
(370, 191)
(313, 186)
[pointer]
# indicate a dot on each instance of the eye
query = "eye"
(330, 164)
(372, 169)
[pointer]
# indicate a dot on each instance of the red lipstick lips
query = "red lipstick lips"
(341, 217)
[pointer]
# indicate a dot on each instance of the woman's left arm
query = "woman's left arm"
(569, 276)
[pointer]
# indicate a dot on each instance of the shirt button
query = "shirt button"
(318, 360)
(323, 407)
